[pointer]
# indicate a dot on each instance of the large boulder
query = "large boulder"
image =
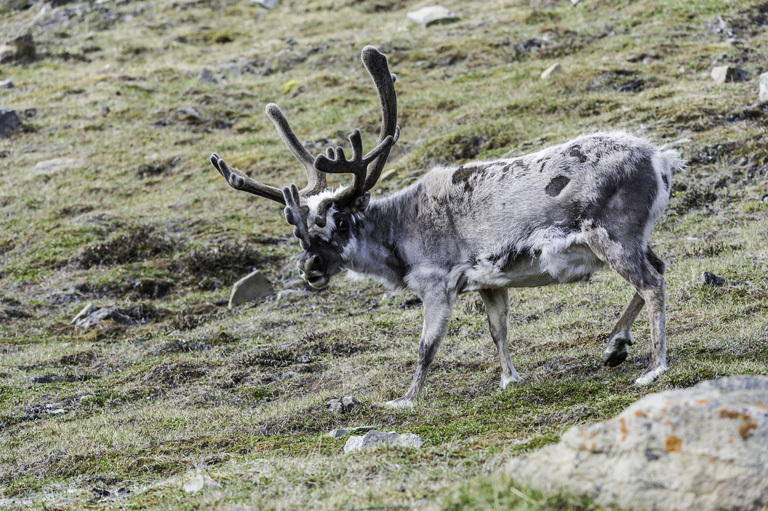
(704, 447)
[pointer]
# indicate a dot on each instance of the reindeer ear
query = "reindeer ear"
(361, 202)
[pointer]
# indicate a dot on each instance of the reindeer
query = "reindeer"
(552, 217)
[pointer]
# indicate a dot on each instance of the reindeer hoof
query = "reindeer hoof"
(401, 402)
(616, 352)
(650, 375)
(506, 380)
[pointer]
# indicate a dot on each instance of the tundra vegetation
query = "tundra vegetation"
(143, 222)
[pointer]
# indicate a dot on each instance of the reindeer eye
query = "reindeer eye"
(342, 225)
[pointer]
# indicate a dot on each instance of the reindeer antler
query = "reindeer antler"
(296, 215)
(365, 170)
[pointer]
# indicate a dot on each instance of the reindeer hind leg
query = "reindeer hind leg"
(621, 336)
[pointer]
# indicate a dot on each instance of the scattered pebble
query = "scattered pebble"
(375, 438)
(9, 121)
(206, 76)
(267, 4)
(290, 294)
(764, 87)
(554, 69)
(343, 405)
(200, 482)
(58, 165)
(18, 50)
(342, 432)
(254, 286)
(723, 74)
(6, 84)
(91, 315)
(430, 15)
(710, 279)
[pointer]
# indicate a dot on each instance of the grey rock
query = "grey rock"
(9, 121)
(704, 447)
(48, 378)
(91, 315)
(58, 165)
(554, 69)
(206, 76)
(430, 15)
(253, 286)
(712, 280)
(374, 439)
(290, 294)
(343, 405)
(764, 87)
(18, 50)
(342, 432)
(200, 482)
(267, 4)
(723, 74)
(6, 84)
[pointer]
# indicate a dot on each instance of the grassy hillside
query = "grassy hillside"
(142, 221)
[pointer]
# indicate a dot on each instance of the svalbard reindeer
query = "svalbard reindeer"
(551, 217)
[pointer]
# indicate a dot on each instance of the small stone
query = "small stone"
(189, 113)
(342, 432)
(267, 4)
(57, 411)
(723, 74)
(343, 405)
(100, 492)
(430, 15)
(48, 378)
(18, 50)
(375, 438)
(58, 165)
(554, 69)
(254, 286)
(200, 482)
(6, 84)
(712, 280)
(84, 313)
(206, 76)
(764, 87)
(290, 294)
(9, 121)
(91, 315)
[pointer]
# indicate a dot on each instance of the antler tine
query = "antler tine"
(315, 180)
(376, 64)
(296, 215)
(366, 170)
(240, 181)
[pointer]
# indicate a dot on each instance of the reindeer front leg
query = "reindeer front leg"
(438, 305)
(496, 305)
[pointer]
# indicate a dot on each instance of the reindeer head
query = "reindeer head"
(326, 222)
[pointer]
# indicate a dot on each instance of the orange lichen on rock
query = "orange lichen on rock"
(746, 430)
(640, 413)
(674, 444)
(624, 429)
(703, 401)
(729, 414)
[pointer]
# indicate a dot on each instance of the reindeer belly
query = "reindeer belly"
(572, 264)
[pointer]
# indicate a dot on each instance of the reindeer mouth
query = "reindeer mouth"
(317, 281)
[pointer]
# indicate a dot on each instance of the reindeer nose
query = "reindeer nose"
(309, 263)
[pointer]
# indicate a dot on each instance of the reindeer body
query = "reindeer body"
(518, 222)
(551, 217)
